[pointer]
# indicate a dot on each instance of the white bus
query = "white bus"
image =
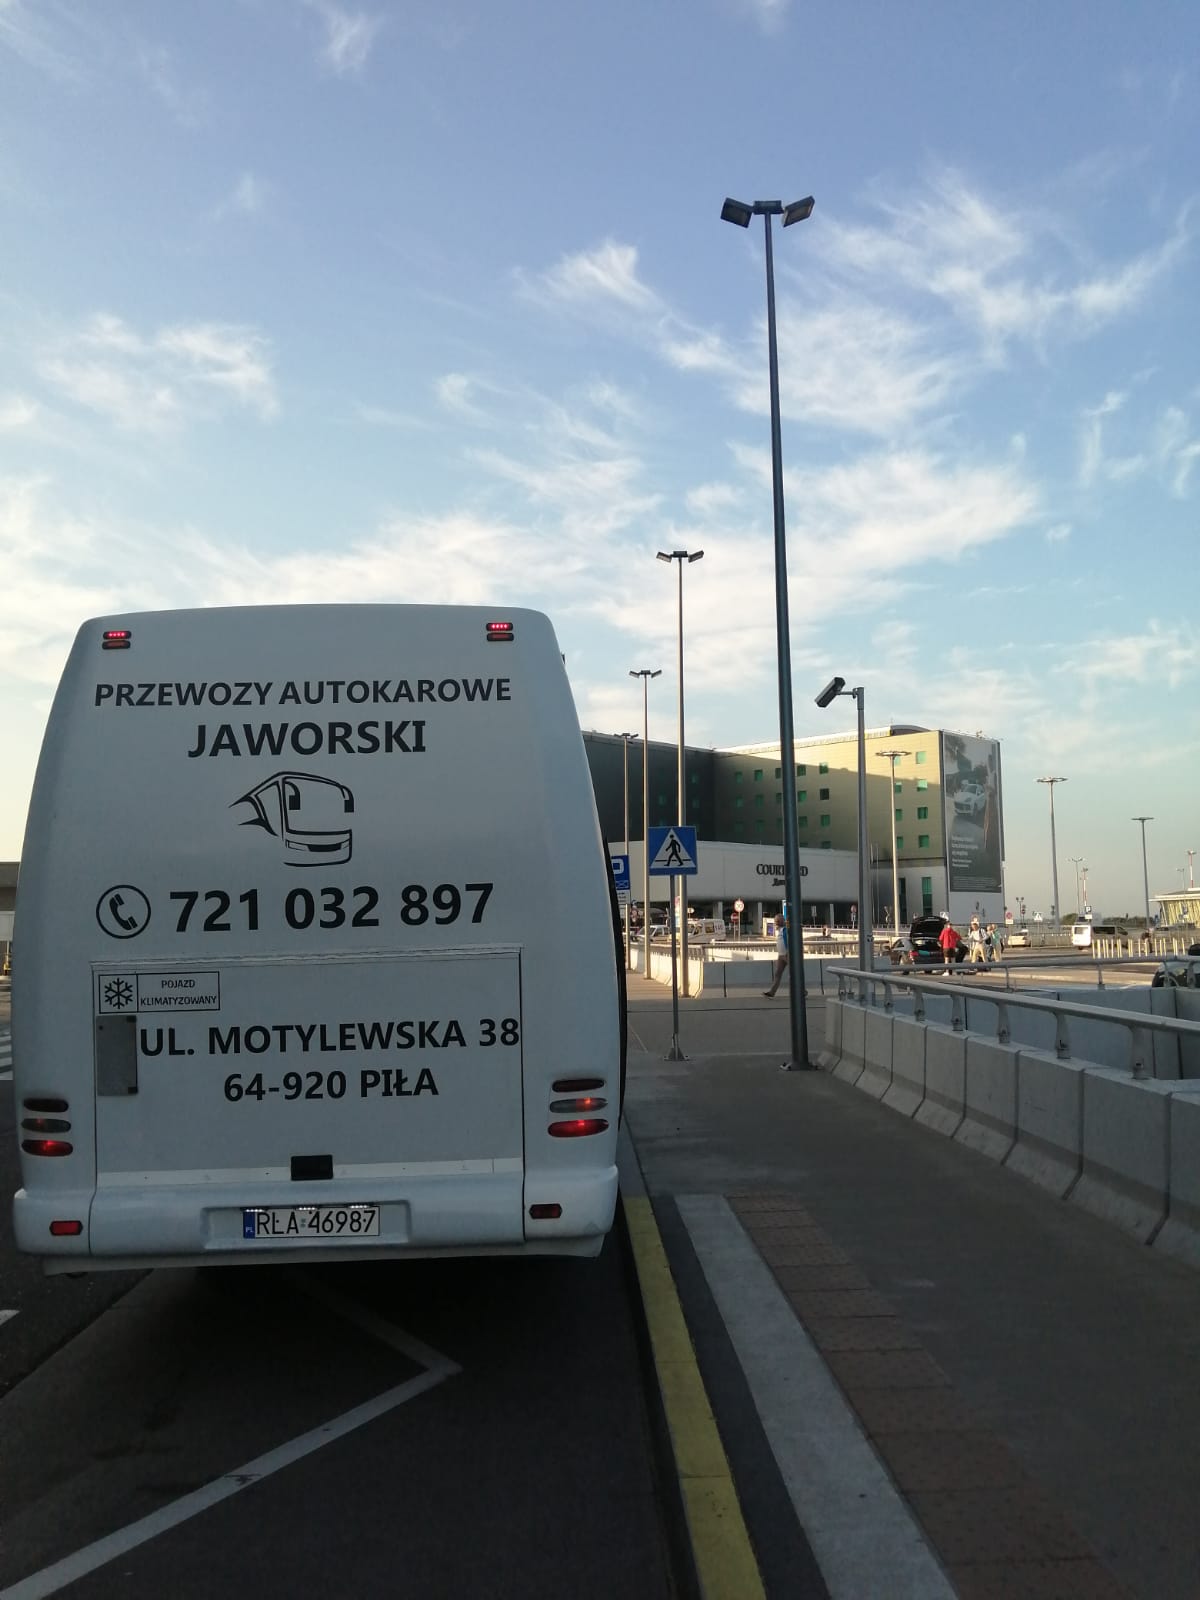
(317, 947)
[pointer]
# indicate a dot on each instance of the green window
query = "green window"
(922, 757)
(922, 784)
(825, 819)
(758, 771)
(778, 801)
(738, 801)
(802, 822)
(824, 795)
(898, 787)
(758, 800)
(922, 813)
(899, 815)
(738, 776)
(779, 772)
(739, 826)
(824, 767)
(899, 841)
(801, 770)
(826, 844)
(923, 841)
(759, 824)
(694, 778)
(802, 795)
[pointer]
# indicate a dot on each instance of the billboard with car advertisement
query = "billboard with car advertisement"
(974, 842)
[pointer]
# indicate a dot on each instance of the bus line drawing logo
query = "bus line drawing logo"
(305, 813)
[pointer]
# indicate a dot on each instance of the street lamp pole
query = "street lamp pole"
(1055, 914)
(738, 212)
(893, 756)
(645, 674)
(625, 738)
(680, 556)
(831, 691)
(1191, 877)
(1078, 860)
(1145, 871)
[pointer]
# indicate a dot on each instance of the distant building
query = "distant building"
(947, 802)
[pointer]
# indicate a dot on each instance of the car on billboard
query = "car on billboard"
(971, 800)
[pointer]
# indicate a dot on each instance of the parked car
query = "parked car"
(1179, 972)
(1017, 938)
(925, 950)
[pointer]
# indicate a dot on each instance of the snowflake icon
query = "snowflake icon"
(118, 994)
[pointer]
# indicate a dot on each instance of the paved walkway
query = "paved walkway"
(930, 1378)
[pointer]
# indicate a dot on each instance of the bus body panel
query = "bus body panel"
(314, 912)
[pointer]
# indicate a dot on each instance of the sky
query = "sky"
(432, 301)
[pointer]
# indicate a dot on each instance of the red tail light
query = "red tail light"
(583, 1102)
(116, 639)
(576, 1085)
(546, 1213)
(46, 1147)
(66, 1228)
(499, 632)
(580, 1128)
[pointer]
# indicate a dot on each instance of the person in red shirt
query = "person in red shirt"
(949, 942)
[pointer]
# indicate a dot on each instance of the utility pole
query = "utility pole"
(1055, 912)
(1145, 872)
(893, 756)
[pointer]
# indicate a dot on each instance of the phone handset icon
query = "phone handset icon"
(114, 905)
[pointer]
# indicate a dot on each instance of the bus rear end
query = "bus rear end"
(316, 945)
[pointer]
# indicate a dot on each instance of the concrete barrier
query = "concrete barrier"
(989, 1122)
(876, 1078)
(1180, 1233)
(833, 1034)
(1049, 1147)
(854, 1040)
(1125, 1177)
(945, 1080)
(907, 1088)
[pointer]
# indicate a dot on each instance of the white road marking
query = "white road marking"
(6, 1315)
(438, 1368)
(861, 1531)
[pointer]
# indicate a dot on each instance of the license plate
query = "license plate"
(311, 1222)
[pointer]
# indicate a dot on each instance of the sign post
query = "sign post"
(671, 852)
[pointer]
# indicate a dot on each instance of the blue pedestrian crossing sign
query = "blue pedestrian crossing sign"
(672, 850)
(620, 872)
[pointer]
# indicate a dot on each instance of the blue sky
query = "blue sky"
(432, 301)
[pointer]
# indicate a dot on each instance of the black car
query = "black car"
(923, 937)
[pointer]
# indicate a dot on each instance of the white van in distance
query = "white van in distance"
(292, 983)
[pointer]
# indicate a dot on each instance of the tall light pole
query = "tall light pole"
(1145, 872)
(893, 756)
(625, 738)
(1055, 914)
(831, 691)
(681, 556)
(1078, 860)
(645, 674)
(1191, 877)
(739, 213)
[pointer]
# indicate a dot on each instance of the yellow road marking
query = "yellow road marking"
(724, 1557)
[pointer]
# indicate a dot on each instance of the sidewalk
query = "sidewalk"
(1024, 1373)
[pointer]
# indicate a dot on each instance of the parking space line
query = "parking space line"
(725, 1563)
(73, 1567)
(6, 1315)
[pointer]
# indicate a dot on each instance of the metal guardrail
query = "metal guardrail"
(1139, 1025)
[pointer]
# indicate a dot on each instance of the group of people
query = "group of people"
(984, 943)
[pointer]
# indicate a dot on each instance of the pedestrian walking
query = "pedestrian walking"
(781, 954)
(976, 954)
(995, 942)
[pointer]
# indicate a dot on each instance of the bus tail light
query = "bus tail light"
(46, 1147)
(499, 632)
(45, 1125)
(578, 1128)
(583, 1102)
(44, 1103)
(576, 1085)
(546, 1213)
(66, 1228)
(116, 639)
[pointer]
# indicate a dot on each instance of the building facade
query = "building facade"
(942, 792)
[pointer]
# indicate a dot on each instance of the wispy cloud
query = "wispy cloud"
(28, 32)
(1059, 533)
(605, 275)
(149, 383)
(187, 103)
(17, 411)
(349, 36)
(246, 198)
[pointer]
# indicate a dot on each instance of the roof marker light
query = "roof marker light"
(116, 639)
(499, 632)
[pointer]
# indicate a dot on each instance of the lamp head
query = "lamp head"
(798, 211)
(736, 211)
(830, 692)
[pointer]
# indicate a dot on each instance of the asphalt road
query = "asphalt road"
(428, 1429)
